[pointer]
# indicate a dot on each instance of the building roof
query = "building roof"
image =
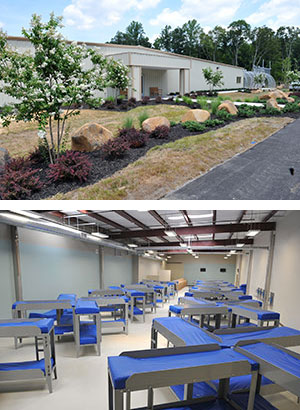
(15, 38)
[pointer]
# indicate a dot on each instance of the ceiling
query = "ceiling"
(207, 231)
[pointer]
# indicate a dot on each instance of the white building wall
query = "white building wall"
(155, 78)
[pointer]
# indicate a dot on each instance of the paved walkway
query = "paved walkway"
(269, 170)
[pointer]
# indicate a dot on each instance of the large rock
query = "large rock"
(4, 158)
(90, 137)
(256, 91)
(196, 115)
(272, 103)
(150, 124)
(229, 107)
(277, 94)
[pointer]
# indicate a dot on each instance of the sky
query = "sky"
(99, 20)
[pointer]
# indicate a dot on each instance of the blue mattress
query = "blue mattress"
(190, 334)
(134, 293)
(35, 364)
(276, 357)
(245, 297)
(51, 314)
(136, 310)
(122, 367)
(263, 314)
(88, 334)
(200, 389)
(61, 330)
(31, 302)
(229, 340)
(188, 294)
(175, 309)
(68, 296)
(241, 383)
(44, 324)
(86, 307)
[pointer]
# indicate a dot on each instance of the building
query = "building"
(156, 72)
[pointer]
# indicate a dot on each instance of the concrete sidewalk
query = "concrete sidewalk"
(269, 170)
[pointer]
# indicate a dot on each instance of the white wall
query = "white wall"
(7, 292)
(117, 268)
(148, 267)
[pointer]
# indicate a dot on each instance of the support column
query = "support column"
(135, 268)
(101, 267)
(269, 270)
(16, 262)
(136, 83)
(182, 81)
(249, 271)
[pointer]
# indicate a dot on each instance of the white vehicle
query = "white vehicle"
(295, 86)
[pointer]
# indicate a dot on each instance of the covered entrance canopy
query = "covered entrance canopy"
(149, 70)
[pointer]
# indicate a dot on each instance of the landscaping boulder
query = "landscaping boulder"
(229, 107)
(196, 115)
(4, 158)
(256, 91)
(90, 137)
(150, 124)
(277, 94)
(272, 103)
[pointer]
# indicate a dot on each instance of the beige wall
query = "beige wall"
(148, 267)
(178, 263)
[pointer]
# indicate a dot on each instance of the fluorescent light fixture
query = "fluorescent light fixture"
(196, 257)
(29, 214)
(132, 245)
(151, 252)
(170, 233)
(252, 233)
(225, 257)
(161, 254)
(168, 257)
(146, 254)
(201, 216)
(204, 236)
(175, 218)
(183, 245)
(189, 236)
(232, 252)
(100, 235)
(240, 245)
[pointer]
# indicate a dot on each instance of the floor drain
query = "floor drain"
(292, 171)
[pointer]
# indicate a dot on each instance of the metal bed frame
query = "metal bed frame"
(95, 322)
(106, 292)
(239, 312)
(21, 309)
(185, 375)
(150, 295)
(48, 348)
(117, 303)
(133, 302)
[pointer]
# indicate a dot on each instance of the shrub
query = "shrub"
(120, 99)
(295, 94)
(145, 100)
(143, 117)
(173, 123)
(213, 123)
(128, 123)
(187, 100)
(224, 115)
(202, 101)
(133, 137)
(40, 155)
(194, 126)
(124, 106)
(271, 111)
(291, 107)
(18, 180)
(115, 148)
(71, 166)
(109, 99)
(161, 132)
(110, 106)
(132, 102)
(246, 111)
(158, 100)
(170, 99)
(177, 100)
(214, 105)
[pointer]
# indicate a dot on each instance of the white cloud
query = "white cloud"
(87, 14)
(276, 13)
(1, 24)
(208, 13)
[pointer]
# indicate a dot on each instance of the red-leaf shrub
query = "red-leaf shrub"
(145, 100)
(18, 180)
(39, 156)
(158, 100)
(115, 148)
(71, 166)
(135, 138)
(160, 132)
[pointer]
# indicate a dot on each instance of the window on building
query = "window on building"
(238, 80)
(222, 270)
(202, 269)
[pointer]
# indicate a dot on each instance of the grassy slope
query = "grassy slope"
(171, 165)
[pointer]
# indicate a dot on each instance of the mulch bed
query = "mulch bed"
(104, 168)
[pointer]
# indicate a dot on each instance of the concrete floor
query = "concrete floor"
(82, 382)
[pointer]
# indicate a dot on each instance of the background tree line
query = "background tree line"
(238, 44)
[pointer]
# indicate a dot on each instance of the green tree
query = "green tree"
(192, 32)
(212, 78)
(51, 83)
(164, 41)
(238, 33)
(133, 36)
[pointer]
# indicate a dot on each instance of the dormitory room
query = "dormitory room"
(157, 309)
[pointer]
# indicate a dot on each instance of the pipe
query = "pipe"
(54, 228)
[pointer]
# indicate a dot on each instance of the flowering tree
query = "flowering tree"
(117, 75)
(51, 82)
(213, 79)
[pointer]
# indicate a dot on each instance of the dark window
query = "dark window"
(238, 80)
(202, 269)
(223, 270)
